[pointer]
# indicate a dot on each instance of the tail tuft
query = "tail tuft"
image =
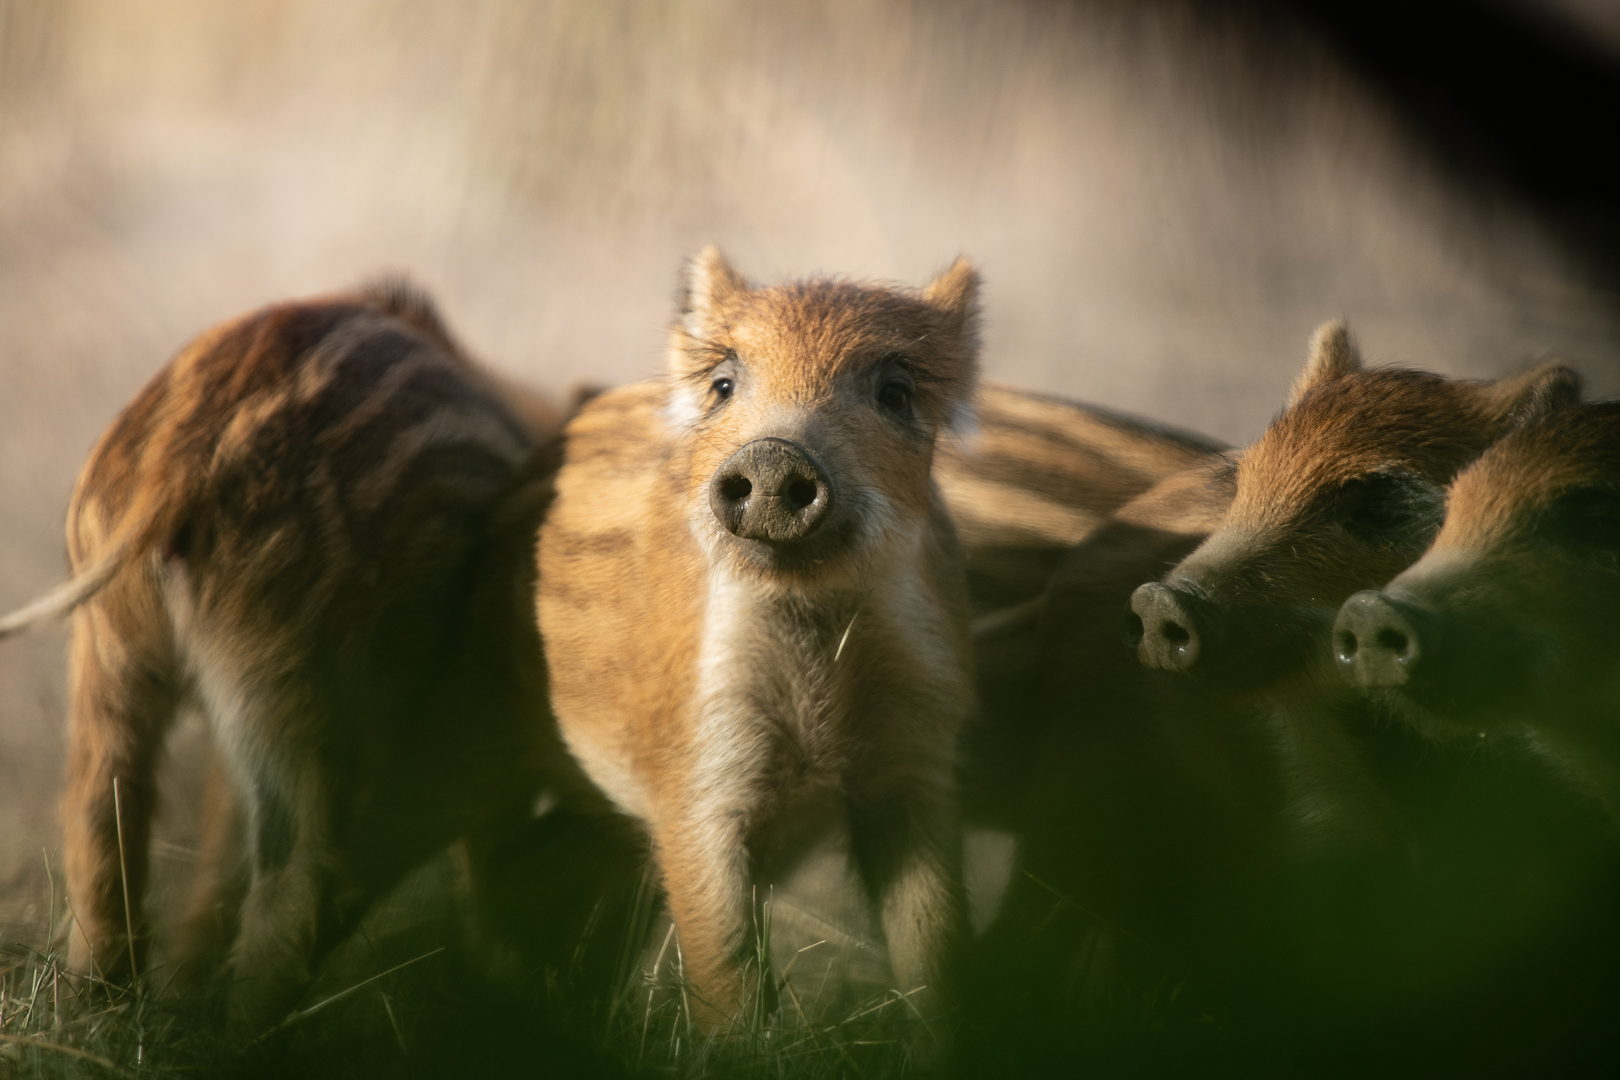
(61, 600)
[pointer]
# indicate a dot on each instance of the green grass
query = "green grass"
(784, 1030)
(53, 1024)
(408, 995)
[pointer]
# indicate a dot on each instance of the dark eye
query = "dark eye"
(1390, 508)
(895, 395)
(1588, 520)
(722, 387)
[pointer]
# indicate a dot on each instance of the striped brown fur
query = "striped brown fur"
(1038, 475)
(1506, 627)
(313, 524)
(736, 692)
(1341, 492)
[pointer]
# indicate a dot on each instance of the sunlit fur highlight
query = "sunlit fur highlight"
(312, 525)
(735, 698)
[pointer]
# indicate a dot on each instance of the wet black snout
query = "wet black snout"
(1171, 635)
(1375, 643)
(771, 489)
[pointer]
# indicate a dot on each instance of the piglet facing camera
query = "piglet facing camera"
(754, 608)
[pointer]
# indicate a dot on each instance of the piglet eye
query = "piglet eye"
(1587, 519)
(894, 395)
(1391, 508)
(723, 387)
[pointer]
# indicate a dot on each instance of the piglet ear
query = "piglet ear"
(1546, 388)
(1333, 356)
(706, 284)
(956, 294)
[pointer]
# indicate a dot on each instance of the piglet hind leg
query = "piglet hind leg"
(214, 899)
(123, 697)
(292, 915)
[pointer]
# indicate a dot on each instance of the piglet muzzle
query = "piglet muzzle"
(1375, 642)
(771, 490)
(1174, 626)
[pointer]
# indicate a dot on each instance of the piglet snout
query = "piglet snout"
(1171, 635)
(771, 489)
(1374, 642)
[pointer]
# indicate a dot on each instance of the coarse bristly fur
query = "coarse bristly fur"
(1037, 475)
(736, 693)
(1506, 627)
(1342, 492)
(313, 525)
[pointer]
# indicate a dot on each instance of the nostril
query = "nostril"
(1394, 641)
(801, 493)
(1348, 646)
(1174, 633)
(736, 488)
(1134, 630)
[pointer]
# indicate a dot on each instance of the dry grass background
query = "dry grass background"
(1164, 201)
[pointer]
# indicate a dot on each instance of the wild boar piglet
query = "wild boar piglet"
(1341, 492)
(1508, 622)
(313, 525)
(753, 606)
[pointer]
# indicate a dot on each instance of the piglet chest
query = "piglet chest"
(791, 690)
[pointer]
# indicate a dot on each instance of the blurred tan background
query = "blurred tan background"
(1164, 200)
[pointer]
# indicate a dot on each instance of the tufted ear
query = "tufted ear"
(956, 290)
(707, 282)
(1333, 356)
(956, 293)
(1546, 388)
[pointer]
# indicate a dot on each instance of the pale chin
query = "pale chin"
(846, 567)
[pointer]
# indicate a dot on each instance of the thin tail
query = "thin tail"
(68, 595)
